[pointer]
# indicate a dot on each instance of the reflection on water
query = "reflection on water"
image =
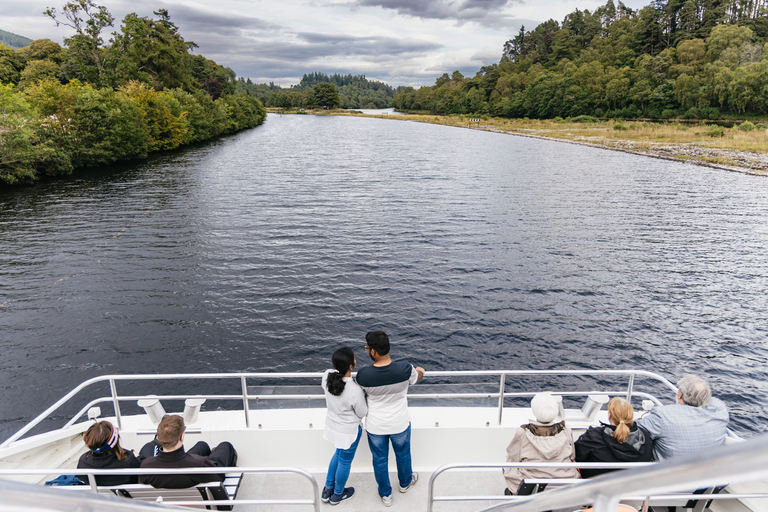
(378, 111)
(266, 250)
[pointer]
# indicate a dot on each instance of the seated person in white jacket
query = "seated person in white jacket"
(543, 440)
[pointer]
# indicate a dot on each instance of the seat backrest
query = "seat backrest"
(525, 488)
(701, 505)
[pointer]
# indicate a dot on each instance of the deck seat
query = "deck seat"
(226, 490)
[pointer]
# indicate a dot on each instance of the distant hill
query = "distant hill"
(13, 40)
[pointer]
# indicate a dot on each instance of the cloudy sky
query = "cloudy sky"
(400, 42)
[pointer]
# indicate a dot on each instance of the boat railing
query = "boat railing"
(502, 379)
(729, 464)
(91, 473)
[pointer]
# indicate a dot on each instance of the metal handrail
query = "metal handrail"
(732, 464)
(115, 398)
(315, 501)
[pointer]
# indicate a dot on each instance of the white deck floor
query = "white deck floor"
(366, 496)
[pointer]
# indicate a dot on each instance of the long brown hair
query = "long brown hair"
(623, 416)
(97, 436)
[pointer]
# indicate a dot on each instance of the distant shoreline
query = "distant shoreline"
(731, 151)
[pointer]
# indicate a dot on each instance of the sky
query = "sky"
(399, 42)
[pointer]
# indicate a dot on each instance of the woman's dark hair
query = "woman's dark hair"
(97, 435)
(343, 359)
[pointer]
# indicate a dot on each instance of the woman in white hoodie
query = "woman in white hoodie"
(343, 423)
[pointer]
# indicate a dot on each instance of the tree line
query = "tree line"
(354, 91)
(93, 103)
(698, 59)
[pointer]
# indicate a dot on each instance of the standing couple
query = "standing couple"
(379, 395)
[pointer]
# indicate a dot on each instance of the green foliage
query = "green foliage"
(325, 95)
(9, 65)
(92, 126)
(355, 92)
(716, 131)
(687, 57)
(585, 119)
(164, 121)
(153, 52)
(746, 126)
(620, 127)
(59, 110)
(86, 51)
(23, 152)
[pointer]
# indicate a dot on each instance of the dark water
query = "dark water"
(267, 250)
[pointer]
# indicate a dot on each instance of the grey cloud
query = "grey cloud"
(220, 23)
(335, 44)
(284, 62)
(486, 12)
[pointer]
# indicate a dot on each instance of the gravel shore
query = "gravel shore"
(747, 162)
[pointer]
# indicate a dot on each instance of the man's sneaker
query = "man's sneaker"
(387, 500)
(414, 478)
(335, 499)
(326, 495)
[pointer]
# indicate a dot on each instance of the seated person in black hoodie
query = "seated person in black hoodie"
(621, 441)
(170, 435)
(103, 440)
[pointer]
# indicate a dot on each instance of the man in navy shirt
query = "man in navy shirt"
(386, 387)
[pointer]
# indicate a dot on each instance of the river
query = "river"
(266, 250)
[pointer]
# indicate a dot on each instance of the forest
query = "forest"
(354, 91)
(93, 102)
(690, 59)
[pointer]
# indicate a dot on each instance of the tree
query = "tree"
(152, 51)
(326, 95)
(37, 70)
(86, 51)
(9, 65)
(726, 36)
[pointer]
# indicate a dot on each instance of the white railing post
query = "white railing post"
(116, 403)
(630, 387)
(502, 381)
(246, 408)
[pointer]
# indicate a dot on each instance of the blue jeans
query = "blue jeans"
(401, 445)
(341, 462)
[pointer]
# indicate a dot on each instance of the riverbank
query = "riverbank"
(732, 149)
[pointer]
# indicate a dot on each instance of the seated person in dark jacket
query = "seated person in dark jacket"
(103, 439)
(621, 441)
(170, 435)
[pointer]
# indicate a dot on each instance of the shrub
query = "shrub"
(709, 113)
(691, 113)
(668, 113)
(584, 119)
(559, 119)
(746, 126)
(716, 131)
(619, 126)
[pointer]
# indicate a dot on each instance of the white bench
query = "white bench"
(202, 492)
(534, 485)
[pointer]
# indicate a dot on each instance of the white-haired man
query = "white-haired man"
(696, 422)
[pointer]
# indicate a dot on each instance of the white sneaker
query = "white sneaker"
(414, 479)
(387, 500)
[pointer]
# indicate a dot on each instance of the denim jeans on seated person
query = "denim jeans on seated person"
(401, 445)
(338, 469)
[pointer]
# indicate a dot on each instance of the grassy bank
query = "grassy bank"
(741, 148)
